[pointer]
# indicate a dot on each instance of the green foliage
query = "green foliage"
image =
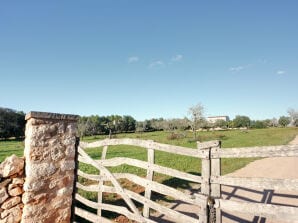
(241, 121)
(258, 124)
(283, 121)
(221, 124)
(95, 125)
(12, 123)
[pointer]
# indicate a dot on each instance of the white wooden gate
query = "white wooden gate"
(130, 210)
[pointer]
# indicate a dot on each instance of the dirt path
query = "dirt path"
(276, 167)
(279, 168)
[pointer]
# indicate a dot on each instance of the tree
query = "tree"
(293, 116)
(128, 124)
(258, 124)
(284, 121)
(241, 121)
(12, 123)
(196, 116)
(221, 124)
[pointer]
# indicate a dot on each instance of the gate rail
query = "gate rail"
(198, 199)
(209, 200)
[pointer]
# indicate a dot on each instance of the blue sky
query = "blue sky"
(149, 58)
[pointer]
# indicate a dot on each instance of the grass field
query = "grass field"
(230, 138)
(233, 138)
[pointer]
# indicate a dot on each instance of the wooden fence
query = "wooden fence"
(209, 199)
(273, 212)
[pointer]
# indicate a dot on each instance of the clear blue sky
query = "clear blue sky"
(149, 58)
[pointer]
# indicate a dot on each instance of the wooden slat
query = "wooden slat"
(150, 172)
(145, 144)
(216, 188)
(90, 216)
(100, 184)
(206, 168)
(89, 176)
(265, 183)
(261, 151)
(273, 212)
(154, 167)
(117, 161)
(205, 185)
(174, 215)
(111, 178)
(208, 144)
(195, 199)
(113, 208)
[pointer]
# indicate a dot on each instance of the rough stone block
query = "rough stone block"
(11, 202)
(67, 165)
(15, 191)
(38, 170)
(3, 195)
(18, 181)
(5, 183)
(11, 165)
(14, 212)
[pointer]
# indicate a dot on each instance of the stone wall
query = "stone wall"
(50, 148)
(11, 189)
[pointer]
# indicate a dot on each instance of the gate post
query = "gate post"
(210, 168)
(50, 148)
(215, 173)
(205, 174)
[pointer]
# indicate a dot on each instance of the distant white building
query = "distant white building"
(213, 119)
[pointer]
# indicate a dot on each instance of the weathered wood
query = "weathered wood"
(205, 186)
(205, 173)
(111, 178)
(150, 172)
(154, 167)
(196, 199)
(100, 184)
(208, 144)
(273, 212)
(90, 216)
(89, 176)
(148, 144)
(265, 183)
(176, 216)
(113, 208)
(260, 151)
(215, 172)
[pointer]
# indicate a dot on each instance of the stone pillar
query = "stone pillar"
(50, 148)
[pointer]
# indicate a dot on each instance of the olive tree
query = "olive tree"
(293, 116)
(196, 113)
(284, 121)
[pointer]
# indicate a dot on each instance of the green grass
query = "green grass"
(234, 138)
(9, 147)
(231, 138)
